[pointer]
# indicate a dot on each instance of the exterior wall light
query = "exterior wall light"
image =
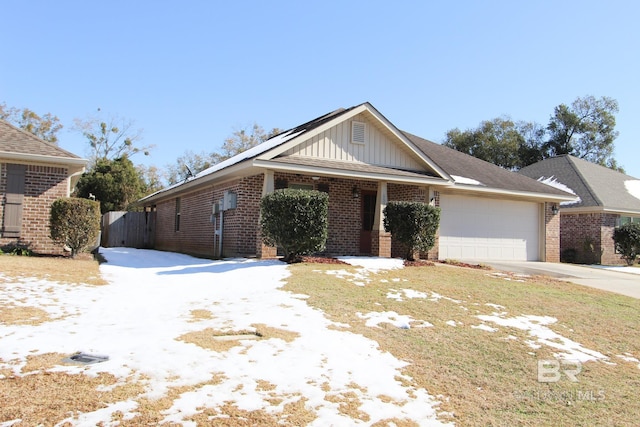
(354, 192)
(554, 209)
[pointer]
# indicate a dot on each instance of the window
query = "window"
(627, 219)
(177, 213)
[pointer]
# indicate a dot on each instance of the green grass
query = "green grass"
(485, 377)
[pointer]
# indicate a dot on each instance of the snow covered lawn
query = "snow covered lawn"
(145, 321)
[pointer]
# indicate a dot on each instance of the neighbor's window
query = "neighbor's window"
(177, 213)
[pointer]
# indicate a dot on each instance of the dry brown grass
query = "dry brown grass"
(19, 315)
(487, 378)
(83, 269)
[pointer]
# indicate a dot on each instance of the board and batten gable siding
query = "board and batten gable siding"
(379, 148)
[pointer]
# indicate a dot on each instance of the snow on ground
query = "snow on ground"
(137, 318)
(620, 268)
(537, 328)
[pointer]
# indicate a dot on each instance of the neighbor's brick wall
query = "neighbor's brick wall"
(43, 185)
(552, 232)
(591, 236)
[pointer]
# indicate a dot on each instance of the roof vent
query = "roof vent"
(357, 132)
(85, 359)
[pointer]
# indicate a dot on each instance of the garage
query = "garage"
(479, 228)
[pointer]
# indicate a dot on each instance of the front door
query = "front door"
(368, 214)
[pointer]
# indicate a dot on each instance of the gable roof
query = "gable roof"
(443, 166)
(596, 186)
(466, 169)
(17, 144)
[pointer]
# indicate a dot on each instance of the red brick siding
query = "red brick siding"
(590, 235)
(552, 234)
(43, 185)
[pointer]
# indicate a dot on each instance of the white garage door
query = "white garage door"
(477, 228)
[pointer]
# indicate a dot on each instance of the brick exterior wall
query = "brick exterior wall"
(587, 238)
(43, 185)
(552, 232)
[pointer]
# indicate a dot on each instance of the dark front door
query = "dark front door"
(368, 214)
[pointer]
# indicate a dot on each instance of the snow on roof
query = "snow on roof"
(633, 187)
(553, 182)
(465, 180)
(251, 152)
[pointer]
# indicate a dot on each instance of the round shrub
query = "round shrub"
(75, 222)
(413, 224)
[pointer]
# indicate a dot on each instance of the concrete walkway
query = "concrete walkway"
(595, 277)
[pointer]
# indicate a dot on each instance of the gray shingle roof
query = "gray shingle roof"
(597, 186)
(18, 141)
(460, 164)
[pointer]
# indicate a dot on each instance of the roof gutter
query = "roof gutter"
(527, 194)
(67, 161)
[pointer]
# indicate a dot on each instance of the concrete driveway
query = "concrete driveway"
(595, 277)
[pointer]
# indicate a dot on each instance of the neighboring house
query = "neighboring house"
(362, 161)
(33, 173)
(604, 200)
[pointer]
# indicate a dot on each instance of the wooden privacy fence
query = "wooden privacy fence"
(129, 229)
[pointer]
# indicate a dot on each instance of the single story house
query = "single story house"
(362, 161)
(604, 199)
(33, 173)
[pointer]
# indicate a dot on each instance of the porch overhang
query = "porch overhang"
(351, 170)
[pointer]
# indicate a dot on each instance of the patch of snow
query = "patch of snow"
(537, 328)
(401, 321)
(374, 264)
(138, 317)
(465, 180)
(553, 182)
(451, 323)
(633, 187)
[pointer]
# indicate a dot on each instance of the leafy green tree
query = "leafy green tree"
(296, 221)
(111, 138)
(627, 241)
(413, 224)
(150, 179)
(116, 184)
(585, 129)
(499, 141)
(45, 127)
(75, 223)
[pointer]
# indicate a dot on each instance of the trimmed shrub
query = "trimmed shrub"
(75, 223)
(627, 241)
(413, 224)
(295, 221)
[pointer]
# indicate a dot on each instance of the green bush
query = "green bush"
(75, 223)
(413, 224)
(627, 241)
(296, 221)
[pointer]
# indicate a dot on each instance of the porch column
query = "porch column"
(262, 250)
(380, 239)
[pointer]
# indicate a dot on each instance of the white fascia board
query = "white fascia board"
(522, 194)
(317, 170)
(39, 158)
(600, 209)
(239, 169)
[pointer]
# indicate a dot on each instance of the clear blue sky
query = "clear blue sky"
(191, 72)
